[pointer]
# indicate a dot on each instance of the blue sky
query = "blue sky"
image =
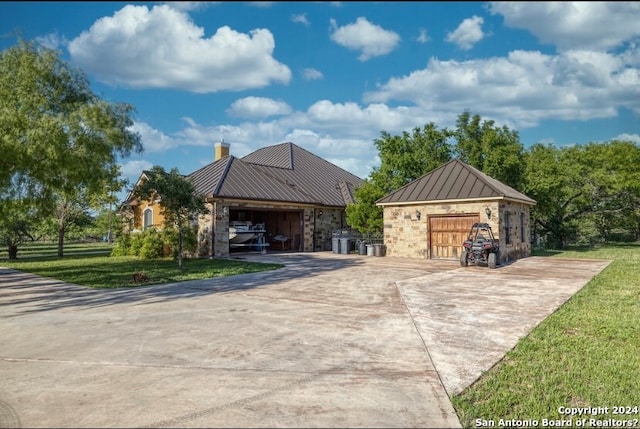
(331, 76)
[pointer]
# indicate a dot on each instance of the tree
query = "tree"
(364, 215)
(596, 185)
(613, 186)
(14, 225)
(496, 151)
(552, 178)
(57, 136)
(403, 158)
(178, 199)
(406, 157)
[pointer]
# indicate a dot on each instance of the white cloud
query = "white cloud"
(634, 138)
(261, 4)
(52, 41)
(132, 169)
(574, 25)
(300, 18)
(468, 33)
(190, 5)
(423, 37)
(258, 107)
(371, 40)
(163, 48)
(524, 87)
(312, 74)
(152, 139)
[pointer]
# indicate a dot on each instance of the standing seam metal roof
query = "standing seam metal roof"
(283, 172)
(454, 180)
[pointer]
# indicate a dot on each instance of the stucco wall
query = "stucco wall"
(138, 210)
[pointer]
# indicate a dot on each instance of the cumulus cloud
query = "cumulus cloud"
(152, 139)
(370, 39)
(190, 5)
(132, 169)
(634, 138)
(258, 107)
(574, 25)
(163, 48)
(312, 74)
(468, 33)
(526, 87)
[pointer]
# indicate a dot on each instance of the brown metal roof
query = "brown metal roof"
(283, 172)
(454, 180)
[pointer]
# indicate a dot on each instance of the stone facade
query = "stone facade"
(515, 230)
(406, 227)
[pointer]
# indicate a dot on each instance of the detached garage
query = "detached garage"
(431, 216)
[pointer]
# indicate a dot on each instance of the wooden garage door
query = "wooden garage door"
(447, 233)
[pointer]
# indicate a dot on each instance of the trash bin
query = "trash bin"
(379, 250)
(335, 245)
(345, 245)
(362, 250)
(369, 249)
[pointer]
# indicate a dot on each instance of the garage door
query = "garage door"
(447, 233)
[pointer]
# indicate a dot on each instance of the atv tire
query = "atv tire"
(463, 259)
(492, 260)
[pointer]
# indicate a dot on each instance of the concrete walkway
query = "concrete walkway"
(328, 341)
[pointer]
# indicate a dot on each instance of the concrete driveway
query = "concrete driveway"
(328, 341)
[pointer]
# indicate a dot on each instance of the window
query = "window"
(147, 221)
(507, 228)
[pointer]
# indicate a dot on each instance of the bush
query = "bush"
(122, 246)
(189, 241)
(152, 245)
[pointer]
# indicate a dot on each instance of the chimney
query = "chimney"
(221, 150)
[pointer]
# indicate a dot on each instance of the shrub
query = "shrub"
(189, 241)
(152, 244)
(122, 246)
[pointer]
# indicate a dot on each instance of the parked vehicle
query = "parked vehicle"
(480, 247)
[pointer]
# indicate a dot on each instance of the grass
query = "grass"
(586, 354)
(98, 270)
(49, 248)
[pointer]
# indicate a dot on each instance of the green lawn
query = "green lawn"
(98, 270)
(49, 248)
(586, 354)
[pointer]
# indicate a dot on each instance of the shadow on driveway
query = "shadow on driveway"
(29, 293)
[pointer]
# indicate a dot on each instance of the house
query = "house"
(431, 216)
(281, 196)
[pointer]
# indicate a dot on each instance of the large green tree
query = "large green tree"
(494, 150)
(403, 158)
(56, 135)
(582, 186)
(406, 157)
(179, 201)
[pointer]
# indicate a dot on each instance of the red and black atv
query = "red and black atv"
(480, 247)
